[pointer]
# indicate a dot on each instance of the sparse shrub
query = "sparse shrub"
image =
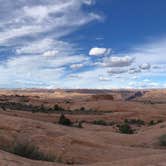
(134, 121)
(125, 128)
(159, 121)
(162, 126)
(80, 124)
(100, 122)
(152, 122)
(3, 108)
(67, 102)
(162, 140)
(32, 152)
(42, 108)
(82, 109)
(111, 123)
(58, 108)
(64, 121)
(126, 121)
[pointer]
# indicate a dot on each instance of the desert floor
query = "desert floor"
(30, 118)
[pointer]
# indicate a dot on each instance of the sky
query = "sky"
(98, 44)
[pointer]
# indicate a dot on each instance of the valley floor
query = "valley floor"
(99, 141)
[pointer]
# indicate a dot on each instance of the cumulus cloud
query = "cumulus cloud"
(96, 51)
(89, 2)
(134, 70)
(102, 78)
(76, 66)
(74, 76)
(128, 75)
(117, 71)
(41, 70)
(118, 61)
(50, 53)
(33, 31)
(40, 56)
(145, 66)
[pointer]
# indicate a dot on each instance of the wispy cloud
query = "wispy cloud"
(38, 17)
(33, 31)
(39, 56)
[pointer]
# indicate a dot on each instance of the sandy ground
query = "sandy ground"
(92, 145)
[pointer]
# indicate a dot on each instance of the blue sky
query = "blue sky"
(82, 44)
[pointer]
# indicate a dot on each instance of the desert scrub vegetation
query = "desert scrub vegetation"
(138, 122)
(45, 109)
(64, 121)
(125, 128)
(152, 122)
(30, 151)
(102, 122)
(67, 122)
(162, 140)
(58, 108)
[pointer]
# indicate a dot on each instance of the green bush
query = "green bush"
(162, 140)
(32, 152)
(82, 109)
(102, 122)
(64, 121)
(134, 121)
(57, 108)
(99, 122)
(80, 124)
(159, 121)
(152, 122)
(3, 108)
(125, 128)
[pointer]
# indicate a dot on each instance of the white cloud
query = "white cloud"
(96, 51)
(74, 76)
(77, 66)
(89, 2)
(118, 61)
(47, 47)
(18, 72)
(50, 53)
(39, 17)
(134, 70)
(145, 84)
(145, 66)
(34, 29)
(35, 33)
(36, 47)
(37, 12)
(102, 78)
(9, 34)
(117, 71)
(127, 73)
(152, 52)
